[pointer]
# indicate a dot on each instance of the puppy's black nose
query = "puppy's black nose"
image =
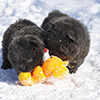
(22, 68)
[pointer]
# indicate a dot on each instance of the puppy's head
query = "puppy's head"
(25, 53)
(62, 39)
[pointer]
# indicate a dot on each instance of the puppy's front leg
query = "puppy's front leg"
(6, 65)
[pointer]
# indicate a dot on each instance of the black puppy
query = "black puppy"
(22, 46)
(66, 38)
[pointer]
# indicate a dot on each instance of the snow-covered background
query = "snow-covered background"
(85, 84)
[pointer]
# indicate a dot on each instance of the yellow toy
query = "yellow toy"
(53, 66)
(38, 75)
(28, 79)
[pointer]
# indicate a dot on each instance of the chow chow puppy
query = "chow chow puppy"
(22, 46)
(66, 38)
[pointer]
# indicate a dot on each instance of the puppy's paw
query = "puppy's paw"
(72, 71)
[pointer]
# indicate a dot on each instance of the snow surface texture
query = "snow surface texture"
(85, 84)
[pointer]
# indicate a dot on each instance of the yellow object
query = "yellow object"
(26, 79)
(38, 75)
(55, 66)
(60, 72)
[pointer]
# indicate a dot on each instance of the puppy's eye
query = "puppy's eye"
(29, 60)
(48, 39)
(60, 41)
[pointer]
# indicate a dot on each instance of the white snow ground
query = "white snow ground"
(85, 84)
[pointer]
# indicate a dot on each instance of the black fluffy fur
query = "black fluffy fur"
(66, 38)
(22, 46)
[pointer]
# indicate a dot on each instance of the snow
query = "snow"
(83, 85)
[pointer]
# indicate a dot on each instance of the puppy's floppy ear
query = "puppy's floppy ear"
(50, 26)
(32, 42)
(71, 37)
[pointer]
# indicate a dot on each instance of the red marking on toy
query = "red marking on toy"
(46, 50)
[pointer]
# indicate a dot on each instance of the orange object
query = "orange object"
(38, 75)
(60, 72)
(26, 79)
(55, 66)
(50, 64)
